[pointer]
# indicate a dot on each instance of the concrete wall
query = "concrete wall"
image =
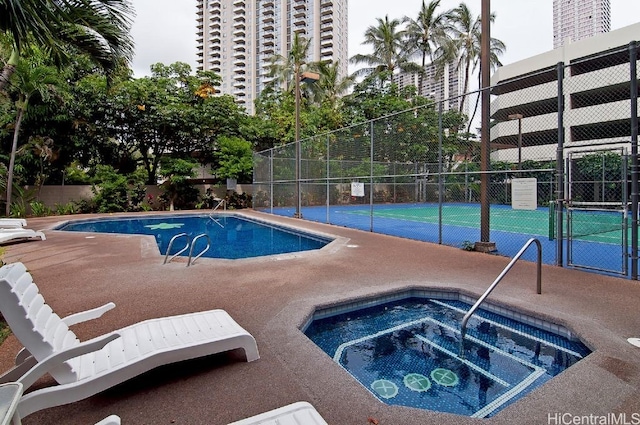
(62, 194)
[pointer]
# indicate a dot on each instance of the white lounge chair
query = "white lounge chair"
(17, 234)
(83, 369)
(12, 223)
(300, 413)
(110, 420)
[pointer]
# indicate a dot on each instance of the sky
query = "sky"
(165, 30)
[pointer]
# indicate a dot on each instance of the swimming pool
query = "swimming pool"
(232, 237)
(406, 352)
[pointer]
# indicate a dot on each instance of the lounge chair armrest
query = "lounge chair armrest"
(57, 359)
(83, 316)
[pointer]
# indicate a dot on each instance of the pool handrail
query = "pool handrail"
(465, 319)
(193, 244)
(173, 239)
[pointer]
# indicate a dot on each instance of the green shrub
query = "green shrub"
(66, 209)
(116, 192)
(39, 209)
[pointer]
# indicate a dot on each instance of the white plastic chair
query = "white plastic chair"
(83, 369)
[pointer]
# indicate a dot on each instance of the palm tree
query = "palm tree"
(99, 28)
(463, 48)
(426, 33)
(330, 87)
(389, 53)
(283, 69)
(30, 81)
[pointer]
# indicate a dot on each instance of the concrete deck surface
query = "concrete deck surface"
(272, 297)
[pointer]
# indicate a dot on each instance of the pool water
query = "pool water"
(407, 353)
(231, 237)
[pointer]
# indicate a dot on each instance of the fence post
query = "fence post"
(328, 178)
(271, 187)
(440, 177)
(633, 57)
(371, 181)
(560, 166)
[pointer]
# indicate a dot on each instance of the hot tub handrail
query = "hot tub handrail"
(465, 319)
(173, 239)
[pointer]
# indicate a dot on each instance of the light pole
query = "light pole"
(305, 77)
(519, 118)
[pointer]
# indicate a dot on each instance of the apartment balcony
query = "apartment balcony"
(268, 50)
(269, 36)
(239, 49)
(214, 33)
(326, 35)
(239, 25)
(239, 32)
(300, 31)
(300, 6)
(326, 52)
(299, 23)
(215, 3)
(268, 20)
(326, 18)
(239, 10)
(326, 43)
(327, 27)
(239, 3)
(326, 3)
(300, 14)
(267, 4)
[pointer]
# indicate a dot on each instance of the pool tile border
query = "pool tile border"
(347, 306)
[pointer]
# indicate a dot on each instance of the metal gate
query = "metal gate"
(597, 210)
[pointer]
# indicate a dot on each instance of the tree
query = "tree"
(426, 33)
(99, 28)
(171, 111)
(283, 69)
(235, 158)
(389, 53)
(176, 171)
(30, 81)
(330, 88)
(464, 46)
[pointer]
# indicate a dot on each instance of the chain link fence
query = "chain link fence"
(562, 143)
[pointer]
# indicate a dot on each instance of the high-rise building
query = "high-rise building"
(575, 20)
(236, 38)
(447, 87)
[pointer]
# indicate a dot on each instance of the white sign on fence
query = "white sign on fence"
(524, 194)
(357, 189)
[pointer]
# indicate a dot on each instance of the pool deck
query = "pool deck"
(272, 297)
